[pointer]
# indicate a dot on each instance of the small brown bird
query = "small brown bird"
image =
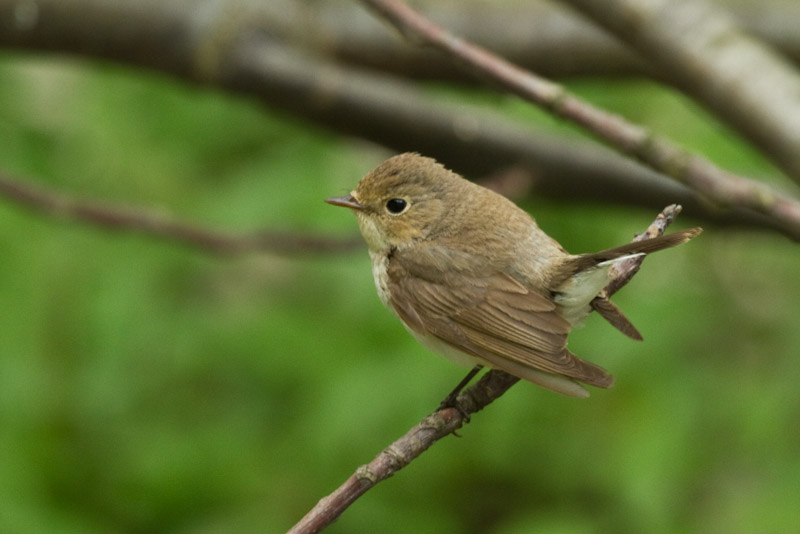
(473, 278)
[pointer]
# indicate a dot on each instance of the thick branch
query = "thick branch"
(125, 219)
(540, 36)
(467, 139)
(657, 152)
(444, 421)
(702, 48)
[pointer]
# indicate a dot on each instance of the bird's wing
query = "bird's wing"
(493, 317)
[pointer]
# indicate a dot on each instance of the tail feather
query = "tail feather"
(611, 313)
(579, 279)
(582, 262)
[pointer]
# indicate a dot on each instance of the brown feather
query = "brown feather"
(582, 262)
(493, 317)
(611, 313)
(473, 276)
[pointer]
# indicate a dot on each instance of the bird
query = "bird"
(473, 277)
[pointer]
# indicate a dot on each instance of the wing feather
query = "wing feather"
(493, 317)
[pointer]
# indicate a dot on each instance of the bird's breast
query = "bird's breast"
(380, 265)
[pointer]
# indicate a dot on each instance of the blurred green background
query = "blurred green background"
(150, 387)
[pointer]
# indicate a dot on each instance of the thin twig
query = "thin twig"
(444, 421)
(622, 272)
(722, 187)
(126, 219)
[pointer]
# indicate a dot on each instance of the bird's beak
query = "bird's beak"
(348, 201)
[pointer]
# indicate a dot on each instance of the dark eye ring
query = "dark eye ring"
(396, 206)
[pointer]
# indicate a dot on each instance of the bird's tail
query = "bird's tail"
(582, 262)
(581, 277)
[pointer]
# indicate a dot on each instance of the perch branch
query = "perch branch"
(659, 153)
(126, 219)
(444, 421)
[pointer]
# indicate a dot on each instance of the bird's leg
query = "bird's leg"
(450, 400)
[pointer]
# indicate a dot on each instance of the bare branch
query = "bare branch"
(444, 421)
(125, 219)
(467, 139)
(228, 47)
(702, 48)
(657, 152)
(541, 36)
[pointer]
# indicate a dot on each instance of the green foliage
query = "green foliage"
(148, 387)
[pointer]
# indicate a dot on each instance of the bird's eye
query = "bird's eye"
(396, 206)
